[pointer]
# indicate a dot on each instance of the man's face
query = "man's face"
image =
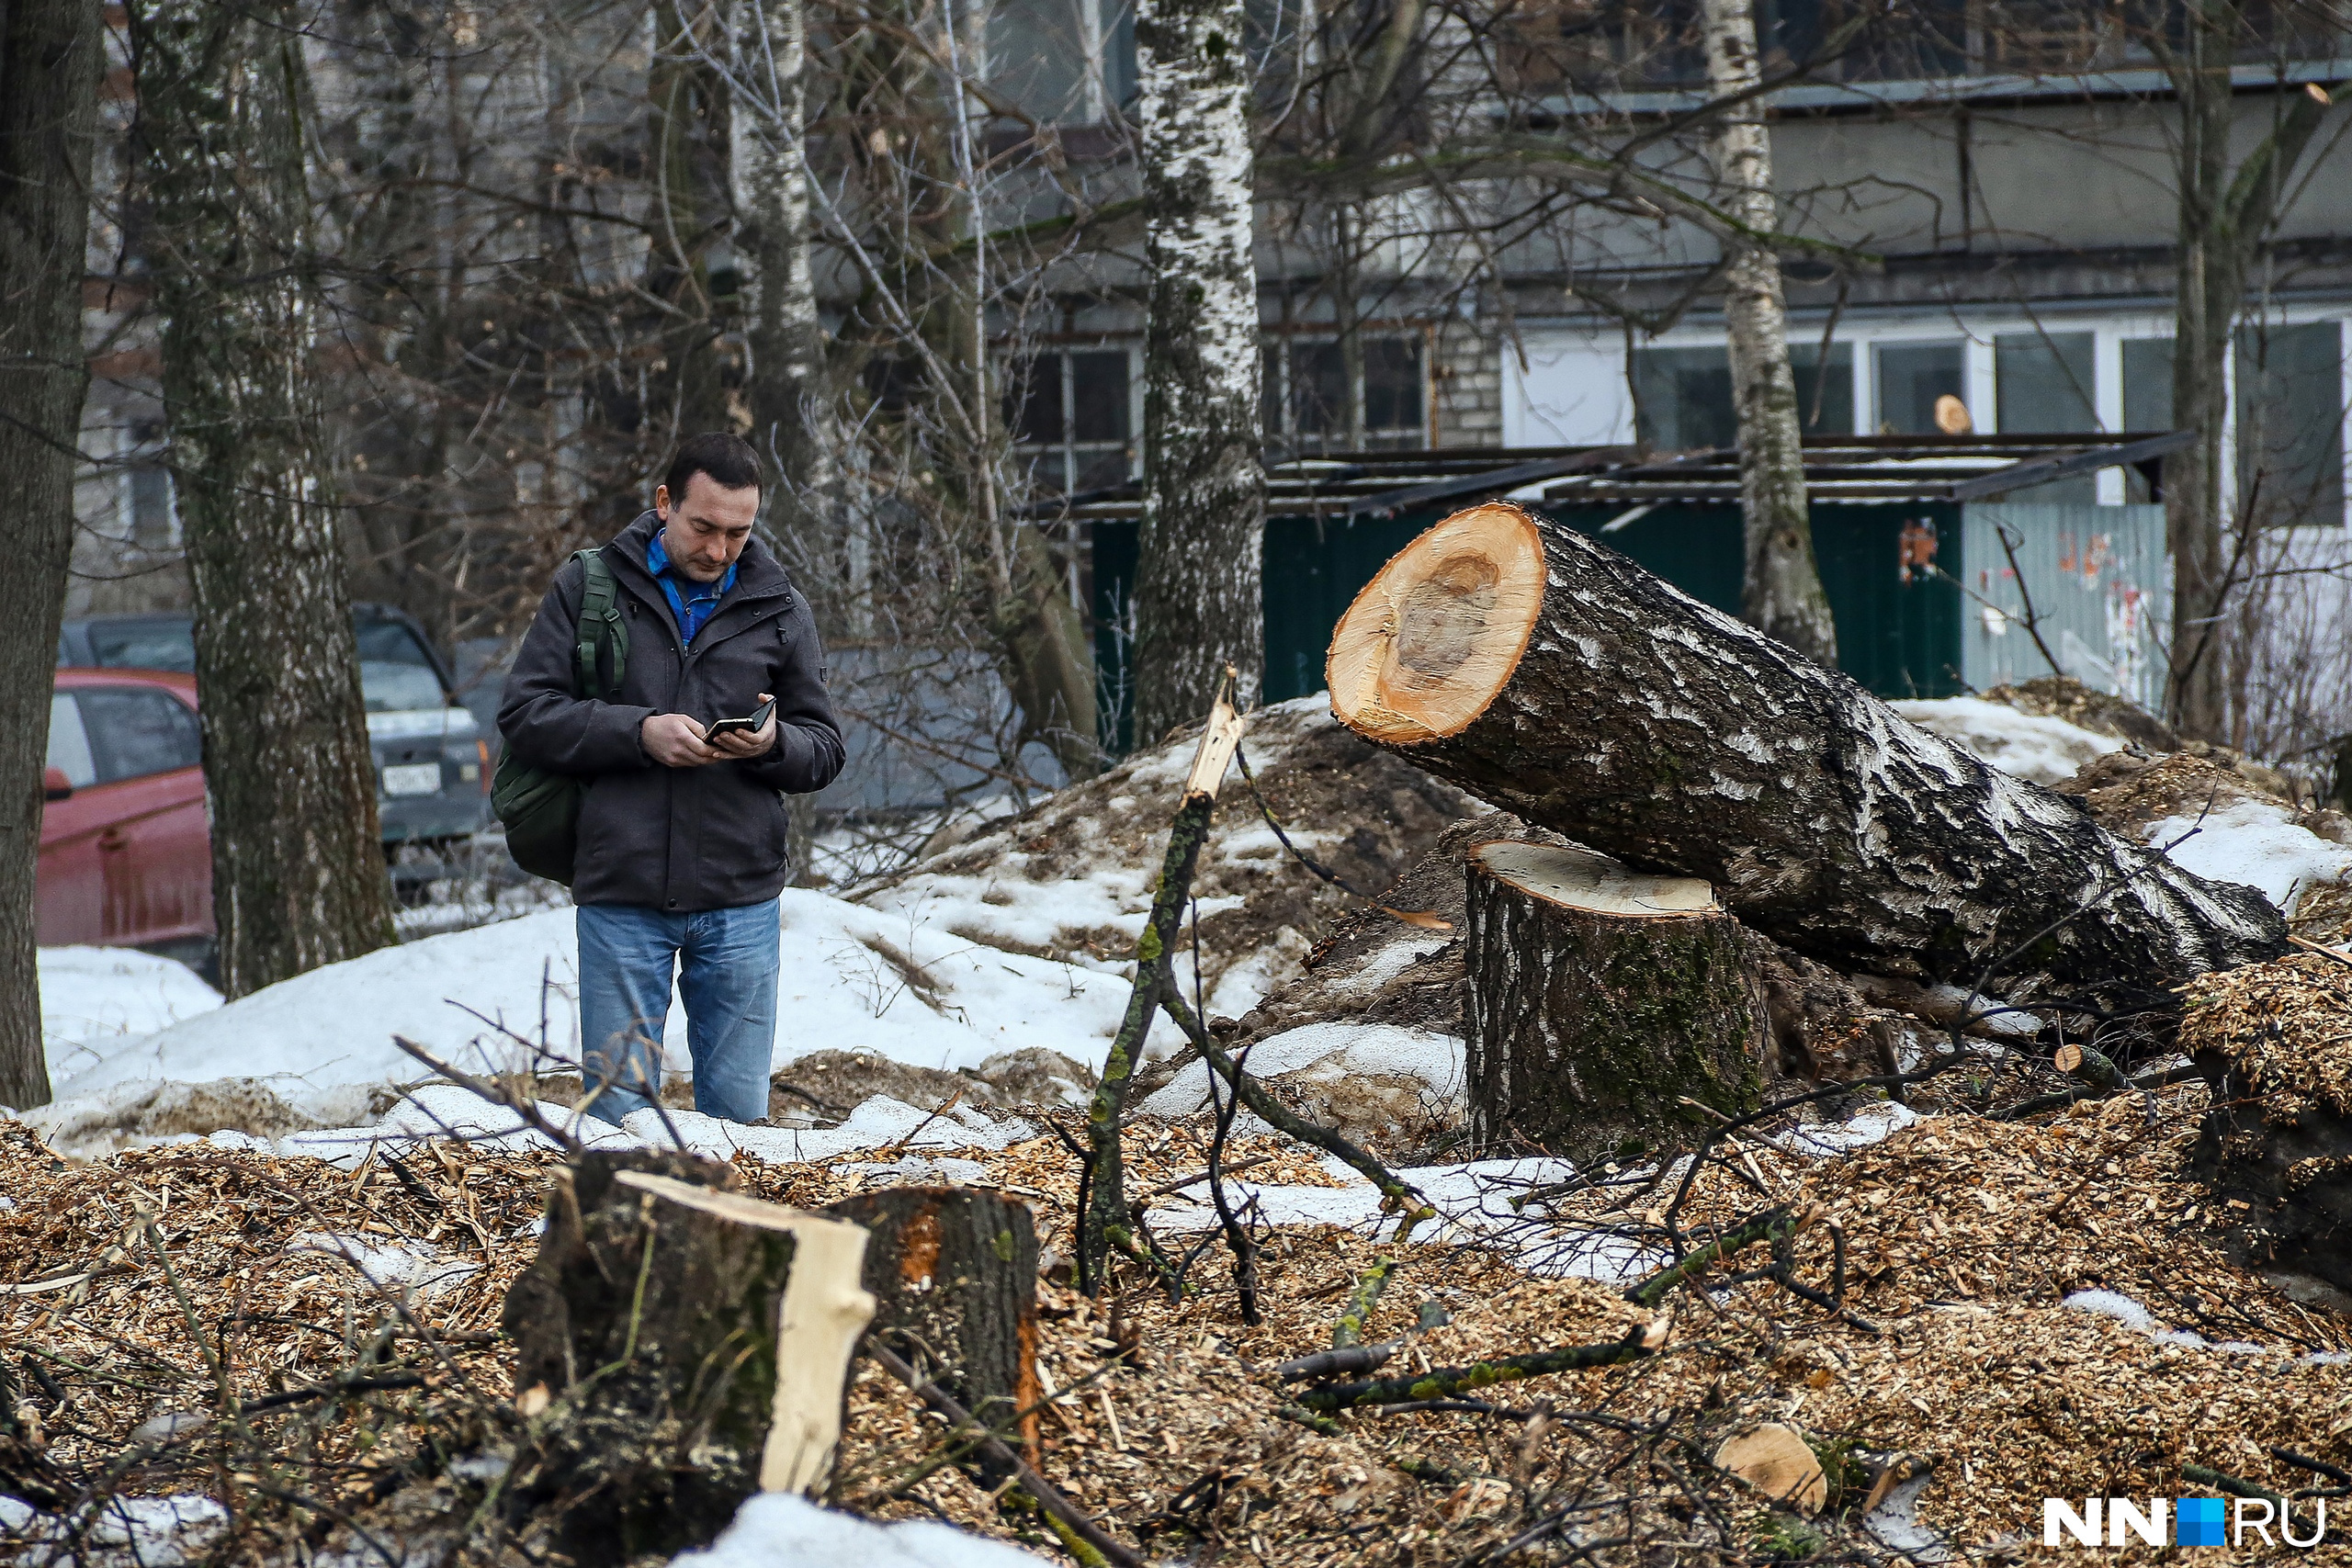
(704, 530)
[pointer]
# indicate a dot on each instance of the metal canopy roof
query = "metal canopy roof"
(1837, 467)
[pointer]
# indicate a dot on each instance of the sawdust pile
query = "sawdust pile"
(1951, 1350)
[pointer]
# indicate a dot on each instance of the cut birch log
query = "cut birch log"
(1601, 1001)
(1556, 679)
(648, 1338)
(953, 1275)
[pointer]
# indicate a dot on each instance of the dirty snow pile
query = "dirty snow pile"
(2255, 841)
(2039, 749)
(316, 1051)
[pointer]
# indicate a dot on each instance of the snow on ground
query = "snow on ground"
(854, 980)
(2043, 750)
(777, 1530)
(1326, 1053)
(95, 999)
(2255, 841)
(134, 1532)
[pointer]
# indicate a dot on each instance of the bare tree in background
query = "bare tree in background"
(1781, 596)
(51, 54)
(297, 872)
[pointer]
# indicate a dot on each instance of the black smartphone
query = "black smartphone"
(743, 726)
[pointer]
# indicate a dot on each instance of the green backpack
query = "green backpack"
(541, 809)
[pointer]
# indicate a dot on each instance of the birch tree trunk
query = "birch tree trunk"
(2226, 218)
(1782, 596)
(49, 55)
(773, 263)
(1198, 601)
(298, 866)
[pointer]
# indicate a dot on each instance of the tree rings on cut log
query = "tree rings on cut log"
(1600, 1000)
(1425, 648)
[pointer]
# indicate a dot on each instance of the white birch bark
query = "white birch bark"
(1197, 577)
(1782, 595)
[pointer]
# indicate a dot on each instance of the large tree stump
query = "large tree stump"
(953, 1274)
(1600, 1000)
(649, 1336)
(1555, 678)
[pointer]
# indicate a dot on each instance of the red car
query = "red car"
(126, 857)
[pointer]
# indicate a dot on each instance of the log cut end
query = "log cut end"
(1431, 641)
(1581, 879)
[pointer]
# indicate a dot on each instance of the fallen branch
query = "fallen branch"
(1348, 1360)
(1048, 1498)
(1762, 1227)
(1444, 1382)
(1349, 1330)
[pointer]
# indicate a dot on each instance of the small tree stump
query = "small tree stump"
(1599, 999)
(953, 1274)
(648, 1347)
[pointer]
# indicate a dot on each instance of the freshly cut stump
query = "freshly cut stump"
(1599, 999)
(648, 1340)
(953, 1273)
(1556, 679)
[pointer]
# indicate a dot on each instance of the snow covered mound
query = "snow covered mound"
(93, 998)
(2038, 748)
(1071, 877)
(777, 1529)
(854, 980)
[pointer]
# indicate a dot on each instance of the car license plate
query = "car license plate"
(414, 778)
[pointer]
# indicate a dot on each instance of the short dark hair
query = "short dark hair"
(729, 460)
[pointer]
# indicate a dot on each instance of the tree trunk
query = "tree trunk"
(2226, 219)
(50, 52)
(1558, 680)
(1199, 606)
(788, 395)
(298, 863)
(1782, 596)
(650, 1334)
(1600, 1000)
(953, 1275)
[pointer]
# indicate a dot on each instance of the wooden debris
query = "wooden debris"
(1779, 1463)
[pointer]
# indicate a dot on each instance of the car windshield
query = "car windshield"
(167, 645)
(395, 675)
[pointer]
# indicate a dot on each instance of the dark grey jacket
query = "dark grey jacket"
(677, 839)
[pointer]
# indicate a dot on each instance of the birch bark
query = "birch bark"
(49, 55)
(1198, 604)
(298, 866)
(1782, 596)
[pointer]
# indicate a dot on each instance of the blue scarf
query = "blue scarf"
(690, 601)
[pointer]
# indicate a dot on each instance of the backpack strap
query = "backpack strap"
(603, 654)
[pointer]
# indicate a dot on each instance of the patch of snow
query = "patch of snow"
(779, 1529)
(408, 1269)
(95, 999)
(879, 1123)
(852, 978)
(2253, 841)
(1326, 1052)
(2125, 1310)
(132, 1532)
(2029, 746)
(1872, 1125)
(1895, 1523)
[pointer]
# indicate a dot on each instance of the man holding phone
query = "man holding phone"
(720, 712)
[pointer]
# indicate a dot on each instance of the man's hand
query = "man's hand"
(676, 741)
(759, 743)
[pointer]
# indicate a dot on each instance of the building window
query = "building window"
(1071, 424)
(2045, 385)
(2291, 423)
(1309, 406)
(1683, 396)
(1911, 378)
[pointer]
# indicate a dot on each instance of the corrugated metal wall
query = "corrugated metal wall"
(2102, 589)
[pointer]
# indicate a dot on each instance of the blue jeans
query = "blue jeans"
(725, 962)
